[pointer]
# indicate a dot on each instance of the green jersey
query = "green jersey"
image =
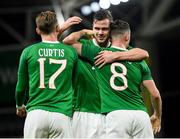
(87, 97)
(45, 72)
(119, 82)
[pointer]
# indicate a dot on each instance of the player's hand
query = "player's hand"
(88, 33)
(69, 22)
(156, 123)
(103, 58)
(73, 20)
(21, 112)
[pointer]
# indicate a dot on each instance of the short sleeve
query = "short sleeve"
(146, 71)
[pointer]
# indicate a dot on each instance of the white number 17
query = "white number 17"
(55, 75)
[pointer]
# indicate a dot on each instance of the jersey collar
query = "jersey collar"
(50, 41)
(95, 43)
(124, 49)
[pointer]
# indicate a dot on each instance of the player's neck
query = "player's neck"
(51, 37)
(119, 44)
(104, 44)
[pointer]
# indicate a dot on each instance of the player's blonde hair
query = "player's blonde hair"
(46, 22)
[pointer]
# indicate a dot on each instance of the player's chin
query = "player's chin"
(101, 40)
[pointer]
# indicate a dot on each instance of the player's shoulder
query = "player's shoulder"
(141, 64)
(68, 48)
(144, 63)
(138, 62)
(91, 44)
(86, 41)
(27, 50)
(29, 47)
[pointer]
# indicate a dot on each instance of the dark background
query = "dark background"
(155, 26)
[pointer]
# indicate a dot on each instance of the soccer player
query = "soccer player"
(88, 122)
(119, 86)
(45, 73)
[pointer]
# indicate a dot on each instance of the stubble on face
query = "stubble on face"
(101, 29)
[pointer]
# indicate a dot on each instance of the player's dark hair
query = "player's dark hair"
(103, 14)
(119, 27)
(46, 22)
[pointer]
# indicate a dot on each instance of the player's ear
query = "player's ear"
(38, 31)
(127, 36)
(58, 28)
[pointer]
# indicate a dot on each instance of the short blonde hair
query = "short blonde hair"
(46, 22)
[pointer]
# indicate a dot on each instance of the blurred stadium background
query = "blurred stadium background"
(155, 26)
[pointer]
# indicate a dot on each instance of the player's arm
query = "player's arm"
(73, 38)
(69, 22)
(132, 55)
(150, 86)
(21, 86)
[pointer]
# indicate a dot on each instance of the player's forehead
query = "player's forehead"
(105, 23)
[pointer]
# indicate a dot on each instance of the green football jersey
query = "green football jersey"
(87, 97)
(45, 72)
(119, 82)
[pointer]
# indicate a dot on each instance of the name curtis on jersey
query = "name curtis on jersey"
(45, 52)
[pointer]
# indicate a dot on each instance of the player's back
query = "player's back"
(50, 67)
(120, 83)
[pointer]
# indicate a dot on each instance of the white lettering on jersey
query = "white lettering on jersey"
(46, 52)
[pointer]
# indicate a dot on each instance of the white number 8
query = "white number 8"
(121, 75)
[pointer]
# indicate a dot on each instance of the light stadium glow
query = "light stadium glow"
(124, 0)
(105, 4)
(115, 2)
(95, 6)
(86, 10)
